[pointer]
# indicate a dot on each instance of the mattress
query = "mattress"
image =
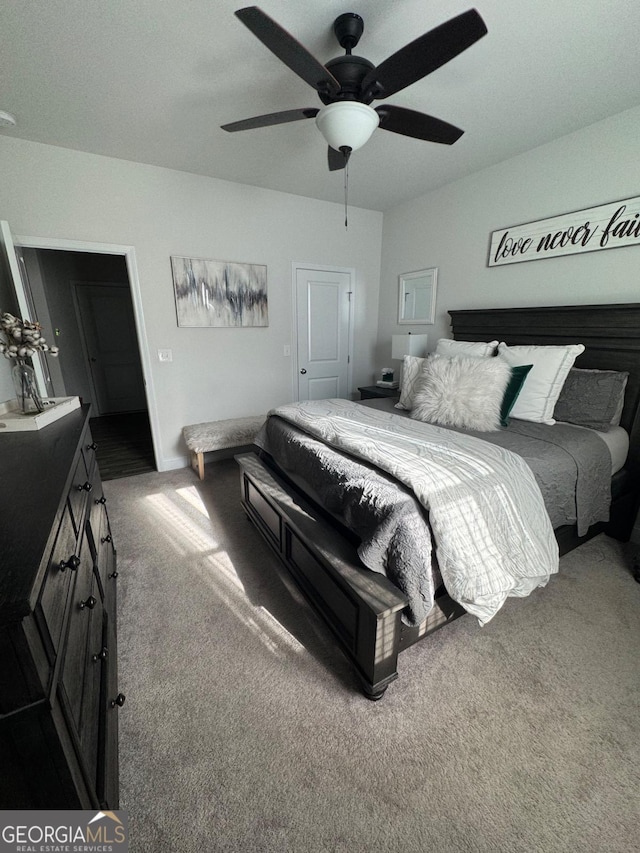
(617, 442)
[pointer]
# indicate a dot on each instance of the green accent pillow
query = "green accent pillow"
(514, 386)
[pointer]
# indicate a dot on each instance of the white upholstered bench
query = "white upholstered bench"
(219, 435)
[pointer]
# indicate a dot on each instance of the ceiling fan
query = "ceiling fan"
(348, 84)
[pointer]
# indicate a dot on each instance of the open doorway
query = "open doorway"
(83, 301)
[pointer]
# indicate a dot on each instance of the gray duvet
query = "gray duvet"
(572, 468)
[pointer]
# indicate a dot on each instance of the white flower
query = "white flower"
(27, 335)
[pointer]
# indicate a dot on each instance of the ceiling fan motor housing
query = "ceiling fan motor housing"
(349, 71)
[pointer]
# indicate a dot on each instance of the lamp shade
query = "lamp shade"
(409, 344)
(347, 124)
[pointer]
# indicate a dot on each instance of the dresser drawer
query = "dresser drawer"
(106, 559)
(83, 681)
(89, 455)
(97, 509)
(81, 487)
(86, 606)
(111, 701)
(99, 659)
(60, 572)
(102, 547)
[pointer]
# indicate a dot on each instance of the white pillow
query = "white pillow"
(411, 371)
(539, 394)
(465, 392)
(446, 346)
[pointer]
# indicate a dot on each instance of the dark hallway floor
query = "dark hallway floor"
(124, 445)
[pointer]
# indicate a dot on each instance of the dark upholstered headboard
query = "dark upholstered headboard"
(610, 334)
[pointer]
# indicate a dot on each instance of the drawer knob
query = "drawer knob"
(72, 563)
(92, 446)
(113, 575)
(101, 500)
(119, 700)
(102, 655)
(106, 538)
(85, 487)
(90, 603)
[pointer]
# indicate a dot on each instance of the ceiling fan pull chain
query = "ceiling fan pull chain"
(346, 153)
(346, 193)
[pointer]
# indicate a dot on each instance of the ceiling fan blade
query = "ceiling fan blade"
(417, 125)
(270, 118)
(336, 159)
(424, 55)
(288, 50)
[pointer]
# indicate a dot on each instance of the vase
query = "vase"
(26, 388)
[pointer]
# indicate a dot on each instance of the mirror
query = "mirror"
(417, 297)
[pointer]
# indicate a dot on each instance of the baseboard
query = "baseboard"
(171, 464)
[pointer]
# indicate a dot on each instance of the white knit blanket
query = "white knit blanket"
(490, 529)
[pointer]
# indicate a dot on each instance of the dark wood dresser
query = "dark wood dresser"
(59, 697)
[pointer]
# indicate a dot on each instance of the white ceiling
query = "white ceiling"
(153, 80)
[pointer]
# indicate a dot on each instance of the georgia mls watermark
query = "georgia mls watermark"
(37, 831)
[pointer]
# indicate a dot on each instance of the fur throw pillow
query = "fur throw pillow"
(462, 392)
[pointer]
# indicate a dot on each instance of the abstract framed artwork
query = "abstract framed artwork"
(219, 293)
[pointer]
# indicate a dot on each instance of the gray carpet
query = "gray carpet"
(244, 730)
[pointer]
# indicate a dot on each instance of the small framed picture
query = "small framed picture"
(417, 297)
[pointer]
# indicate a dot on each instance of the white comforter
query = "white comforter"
(491, 532)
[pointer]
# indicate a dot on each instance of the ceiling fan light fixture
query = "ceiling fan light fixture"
(347, 124)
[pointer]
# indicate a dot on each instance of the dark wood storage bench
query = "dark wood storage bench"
(361, 607)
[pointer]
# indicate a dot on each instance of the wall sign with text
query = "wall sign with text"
(604, 227)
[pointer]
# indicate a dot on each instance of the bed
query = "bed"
(373, 614)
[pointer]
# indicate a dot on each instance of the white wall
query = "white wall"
(451, 227)
(216, 373)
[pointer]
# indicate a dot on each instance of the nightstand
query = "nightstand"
(368, 392)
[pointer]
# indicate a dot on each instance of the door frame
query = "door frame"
(129, 254)
(351, 272)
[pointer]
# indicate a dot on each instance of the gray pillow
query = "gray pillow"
(591, 398)
(462, 392)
